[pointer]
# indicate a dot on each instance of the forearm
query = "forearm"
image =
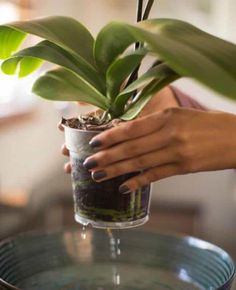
(170, 97)
(186, 101)
(171, 142)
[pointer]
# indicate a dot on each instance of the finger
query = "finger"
(129, 130)
(60, 127)
(151, 175)
(82, 104)
(127, 150)
(156, 158)
(64, 150)
(67, 167)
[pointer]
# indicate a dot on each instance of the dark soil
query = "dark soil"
(89, 123)
(102, 201)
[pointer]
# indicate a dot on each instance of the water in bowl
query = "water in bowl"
(109, 275)
(98, 276)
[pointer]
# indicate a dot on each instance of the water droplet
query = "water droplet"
(113, 255)
(114, 252)
(112, 241)
(83, 233)
(117, 279)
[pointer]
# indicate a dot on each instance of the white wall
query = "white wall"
(29, 150)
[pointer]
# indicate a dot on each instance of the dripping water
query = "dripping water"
(84, 232)
(114, 252)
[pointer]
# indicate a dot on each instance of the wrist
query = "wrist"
(186, 101)
(226, 141)
(232, 137)
(164, 99)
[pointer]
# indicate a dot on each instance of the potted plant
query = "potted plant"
(103, 72)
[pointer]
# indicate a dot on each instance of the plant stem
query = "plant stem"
(140, 17)
(104, 117)
(139, 10)
(148, 9)
(134, 74)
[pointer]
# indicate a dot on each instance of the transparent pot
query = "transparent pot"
(101, 204)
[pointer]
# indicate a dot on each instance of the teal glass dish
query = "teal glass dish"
(105, 260)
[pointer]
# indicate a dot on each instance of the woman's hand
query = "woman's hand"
(163, 100)
(171, 142)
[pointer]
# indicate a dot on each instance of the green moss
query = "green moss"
(138, 200)
(113, 215)
(132, 201)
(82, 183)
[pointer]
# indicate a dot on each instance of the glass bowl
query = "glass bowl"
(105, 260)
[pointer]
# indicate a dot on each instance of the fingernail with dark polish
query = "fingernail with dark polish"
(90, 164)
(95, 143)
(97, 175)
(124, 189)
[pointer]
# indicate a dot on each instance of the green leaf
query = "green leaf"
(111, 41)
(192, 52)
(26, 65)
(63, 31)
(29, 65)
(50, 52)
(10, 40)
(120, 69)
(9, 66)
(212, 48)
(117, 109)
(63, 85)
(184, 48)
(155, 86)
(156, 73)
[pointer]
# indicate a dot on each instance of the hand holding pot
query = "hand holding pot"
(174, 141)
(163, 100)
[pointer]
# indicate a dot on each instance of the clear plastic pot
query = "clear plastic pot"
(101, 204)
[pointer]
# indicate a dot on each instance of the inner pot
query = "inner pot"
(101, 204)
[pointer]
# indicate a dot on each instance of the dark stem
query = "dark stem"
(148, 9)
(134, 74)
(140, 17)
(140, 10)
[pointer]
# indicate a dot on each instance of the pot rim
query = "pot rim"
(80, 130)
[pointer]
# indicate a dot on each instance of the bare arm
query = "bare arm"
(171, 142)
(170, 97)
(186, 101)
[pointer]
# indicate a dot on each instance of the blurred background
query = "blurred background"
(34, 191)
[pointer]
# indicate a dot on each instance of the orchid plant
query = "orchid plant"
(102, 71)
